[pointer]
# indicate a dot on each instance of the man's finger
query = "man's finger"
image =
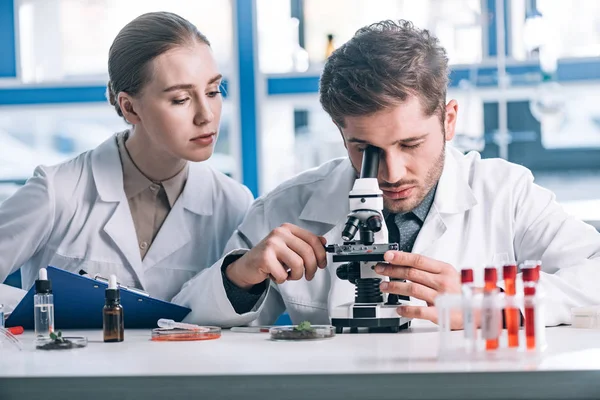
(411, 289)
(305, 251)
(411, 274)
(291, 260)
(414, 260)
(276, 270)
(418, 312)
(313, 240)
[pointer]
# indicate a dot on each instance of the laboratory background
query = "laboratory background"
(526, 77)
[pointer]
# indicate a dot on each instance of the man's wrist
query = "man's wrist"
(232, 272)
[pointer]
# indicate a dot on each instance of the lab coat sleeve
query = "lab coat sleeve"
(205, 293)
(26, 221)
(568, 248)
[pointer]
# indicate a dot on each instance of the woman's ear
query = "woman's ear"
(126, 104)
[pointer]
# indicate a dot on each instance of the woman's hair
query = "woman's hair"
(138, 43)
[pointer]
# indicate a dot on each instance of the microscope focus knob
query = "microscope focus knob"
(342, 272)
(349, 272)
(374, 223)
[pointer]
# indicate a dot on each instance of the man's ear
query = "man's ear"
(450, 119)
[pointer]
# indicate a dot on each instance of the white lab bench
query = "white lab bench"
(250, 366)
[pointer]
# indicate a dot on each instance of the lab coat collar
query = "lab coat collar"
(197, 195)
(200, 190)
(453, 194)
(108, 171)
(329, 202)
(108, 177)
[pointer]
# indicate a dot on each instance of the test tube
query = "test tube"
(444, 305)
(470, 328)
(509, 273)
(534, 328)
(491, 323)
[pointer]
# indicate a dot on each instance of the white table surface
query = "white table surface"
(363, 366)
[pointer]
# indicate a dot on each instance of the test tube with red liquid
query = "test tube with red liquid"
(533, 322)
(491, 323)
(509, 273)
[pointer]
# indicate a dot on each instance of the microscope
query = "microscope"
(372, 310)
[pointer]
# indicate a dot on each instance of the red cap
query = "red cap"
(466, 275)
(16, 330)
(509, 272)
(531, 273)
(491, 274)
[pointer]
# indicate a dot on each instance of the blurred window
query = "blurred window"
(69, 39)
(566, 29)
(457, 23)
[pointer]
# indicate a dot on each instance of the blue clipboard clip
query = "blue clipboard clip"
(100, 278)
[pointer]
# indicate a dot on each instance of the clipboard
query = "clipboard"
(78, 303)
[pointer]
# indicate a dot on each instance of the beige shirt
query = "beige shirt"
(149, 202)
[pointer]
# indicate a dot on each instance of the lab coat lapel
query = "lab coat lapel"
(329, 202)
(108, 176)
(121, 230)
(453, 196)
(433, 229)
(176, 231)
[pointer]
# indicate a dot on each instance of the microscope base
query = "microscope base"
(381, 325)
(370, 318)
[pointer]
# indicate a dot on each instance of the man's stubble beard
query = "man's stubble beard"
(431, 179)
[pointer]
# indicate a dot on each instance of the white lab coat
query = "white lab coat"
(76, 216)
(483, 211)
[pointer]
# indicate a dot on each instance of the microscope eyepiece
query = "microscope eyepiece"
(370, 163)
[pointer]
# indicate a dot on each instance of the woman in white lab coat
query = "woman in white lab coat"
(142, 205)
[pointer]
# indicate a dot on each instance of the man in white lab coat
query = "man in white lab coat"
(386, 88)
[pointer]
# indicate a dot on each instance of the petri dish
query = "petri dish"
(291, 333)
(585, 317)
(185, 335)
(68, 343)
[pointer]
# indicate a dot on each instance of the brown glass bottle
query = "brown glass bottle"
(330, 46)
(112, 317)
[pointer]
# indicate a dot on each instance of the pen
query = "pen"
(250, 329)
(100, 278)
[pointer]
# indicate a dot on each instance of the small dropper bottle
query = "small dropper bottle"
(112, 313)
(43, 306)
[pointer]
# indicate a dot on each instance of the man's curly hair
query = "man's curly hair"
(381, 66)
